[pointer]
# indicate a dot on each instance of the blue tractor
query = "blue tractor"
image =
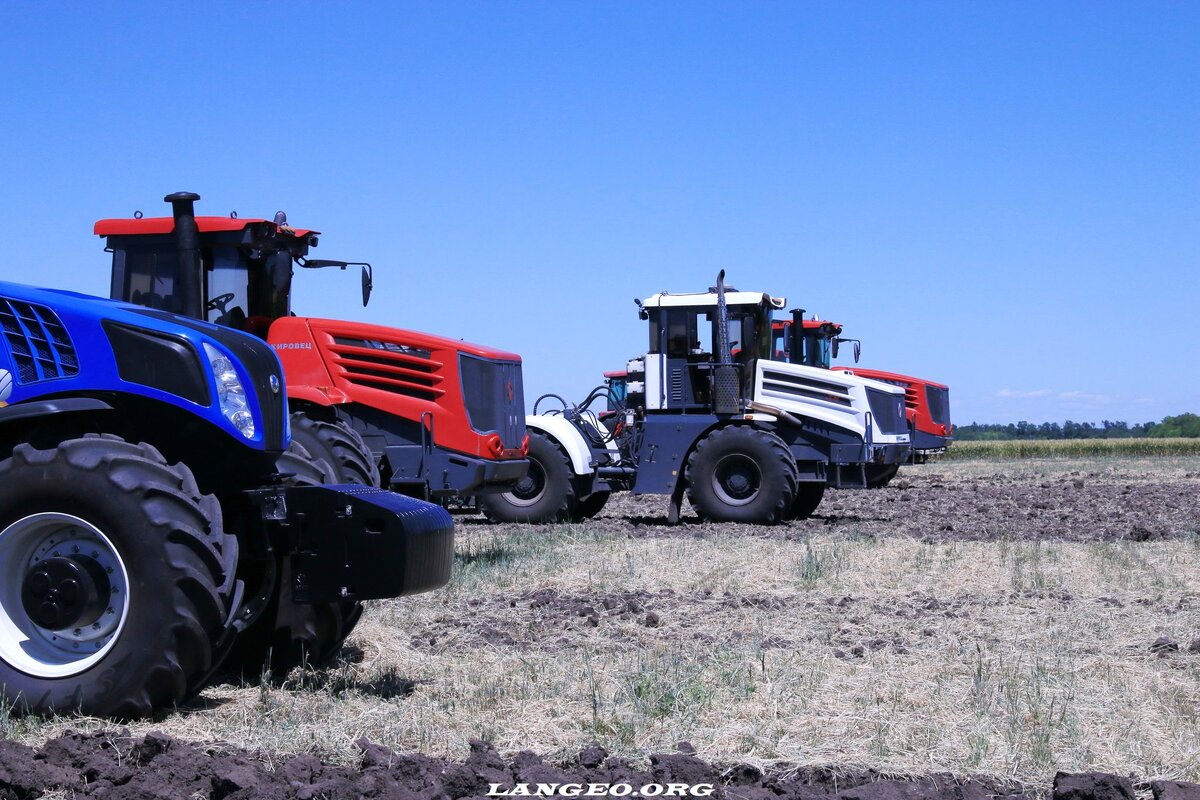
(154, 522)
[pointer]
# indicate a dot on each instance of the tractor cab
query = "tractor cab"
(240, 275)
(688, 341)
(817, 345)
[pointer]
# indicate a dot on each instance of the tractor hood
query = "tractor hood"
(60, 343)
(873, 411)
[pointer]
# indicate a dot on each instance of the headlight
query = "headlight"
(230, 393)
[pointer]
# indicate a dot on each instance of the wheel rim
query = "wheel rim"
(64, 595)
(530, 489)
(737, 479)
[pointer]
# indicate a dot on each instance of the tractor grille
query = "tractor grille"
(389, 367)
(494, 397)
(939, 404)
(888, 411)
(805, 388)
(40, 346)
(911, 395)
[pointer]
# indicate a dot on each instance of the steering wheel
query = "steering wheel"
(219, 302)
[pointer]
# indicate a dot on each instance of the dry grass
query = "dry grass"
(1004, 657)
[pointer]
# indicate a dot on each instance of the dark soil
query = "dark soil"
(929, 505)
(115, 766)
(548, 620)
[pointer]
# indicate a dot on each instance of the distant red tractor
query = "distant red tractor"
(424, 415)
(927, 403)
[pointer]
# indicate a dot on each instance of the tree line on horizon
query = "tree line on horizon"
(1181, 426)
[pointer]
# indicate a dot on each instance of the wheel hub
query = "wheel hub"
(736, 480)
(65, 592)
(64, 595)
(738, 484)
(530, 488)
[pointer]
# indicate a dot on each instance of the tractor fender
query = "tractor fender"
(324, 396)
(566, 436)
(44, 408)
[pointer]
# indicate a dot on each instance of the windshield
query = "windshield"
(241, 287)
(818, 350)
(228, 292)
(779, 343)
(150, 277)
(750, 326)
(690, 332)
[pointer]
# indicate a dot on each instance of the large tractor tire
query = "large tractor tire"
(298, 465)
(545, 494)
(339, 445)
(808, 498)
(742, 474)
(116, 579)
(880, 476)
(590, 506)
(288, 634)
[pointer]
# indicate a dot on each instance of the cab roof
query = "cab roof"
(149, 226)
(732, 298)
(819, 324)
(810, 325)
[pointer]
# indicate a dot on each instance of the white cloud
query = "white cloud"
(1009, 394)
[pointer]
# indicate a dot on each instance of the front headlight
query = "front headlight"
(230, 393)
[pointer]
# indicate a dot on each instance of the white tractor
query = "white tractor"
(707, 412)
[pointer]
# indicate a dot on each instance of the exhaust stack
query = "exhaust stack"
(187, 243)
(795, 342)
(727, 394)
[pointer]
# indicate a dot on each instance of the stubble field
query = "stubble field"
(1005, 618)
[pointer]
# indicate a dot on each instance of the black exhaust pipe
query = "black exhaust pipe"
(189, 277)
(796, 337)
(727, 390)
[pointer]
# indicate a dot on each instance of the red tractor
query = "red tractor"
(927, 403)
(423, 415)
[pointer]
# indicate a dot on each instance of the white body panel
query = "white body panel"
(656, 367)
(836, 398)
(571, 440)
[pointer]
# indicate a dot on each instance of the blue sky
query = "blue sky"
(1004, 197)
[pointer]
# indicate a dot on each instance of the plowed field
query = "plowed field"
(1010, 619)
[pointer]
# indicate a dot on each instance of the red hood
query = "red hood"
(412, 338)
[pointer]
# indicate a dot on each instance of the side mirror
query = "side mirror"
(320, 263)
(857, 347)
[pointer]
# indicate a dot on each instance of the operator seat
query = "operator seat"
(233, 318)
